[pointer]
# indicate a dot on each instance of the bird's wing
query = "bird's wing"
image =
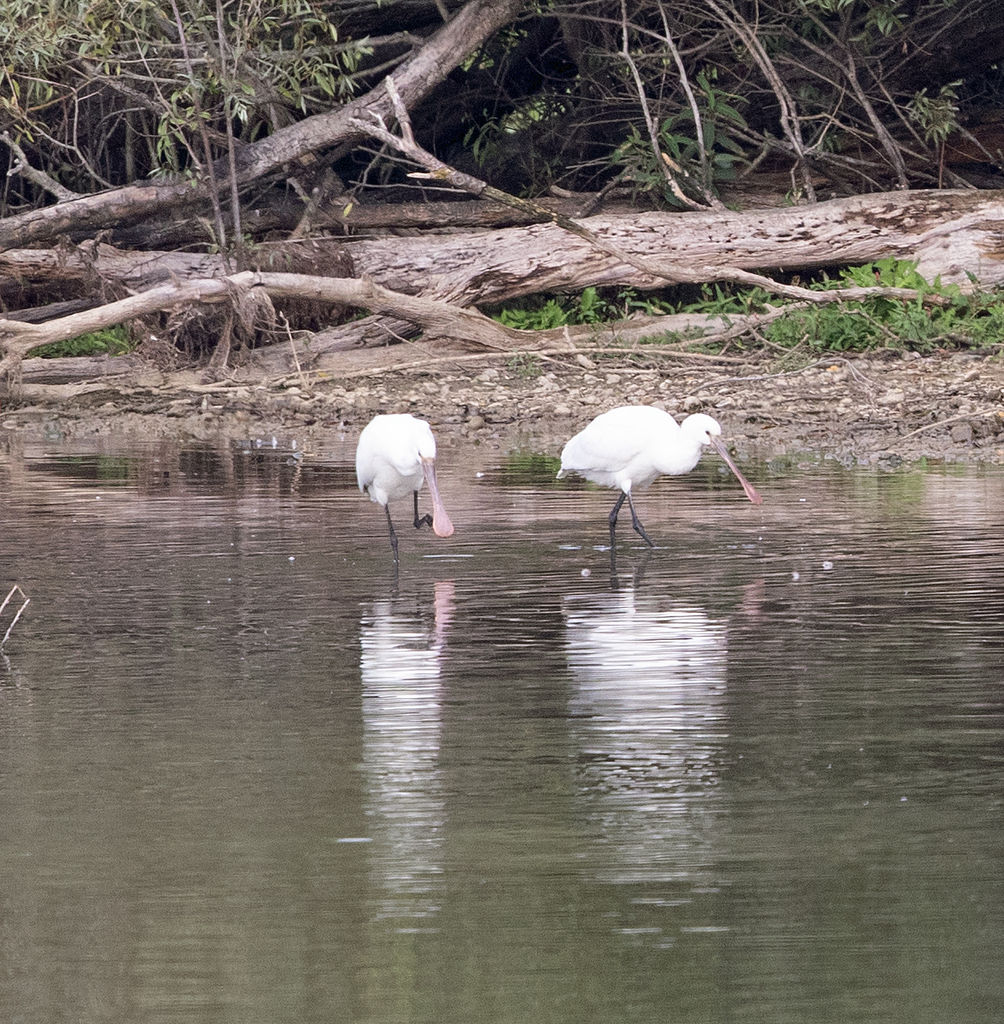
(602, 446)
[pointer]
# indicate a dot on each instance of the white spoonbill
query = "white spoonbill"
(395, 455)
(630, 446)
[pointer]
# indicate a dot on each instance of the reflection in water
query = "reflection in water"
(400, 663)
(185, 748)
(648, 706)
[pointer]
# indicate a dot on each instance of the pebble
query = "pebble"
(894, 396)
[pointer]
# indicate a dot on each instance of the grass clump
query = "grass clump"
(591, 307)
(886, 321)
(111, 341)
(954, 320)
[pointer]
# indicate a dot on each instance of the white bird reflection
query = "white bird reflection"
(648, 707)
(401, 660)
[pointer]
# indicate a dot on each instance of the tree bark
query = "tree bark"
(432, 283)
(951, 234)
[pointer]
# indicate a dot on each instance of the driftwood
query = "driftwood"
(435, 283)
(954, 235)
(440, 318)
(950, 234)
(344, 217)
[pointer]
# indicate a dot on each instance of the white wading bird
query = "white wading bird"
(395, 455)
(630, 446)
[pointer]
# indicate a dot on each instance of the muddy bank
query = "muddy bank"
(945, 407)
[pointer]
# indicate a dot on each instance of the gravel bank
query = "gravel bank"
(945, 407)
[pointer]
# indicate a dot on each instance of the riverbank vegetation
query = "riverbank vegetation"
(934, 316)
(260, 187)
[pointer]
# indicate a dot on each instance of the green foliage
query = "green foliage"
(591, 307)
(885, 18)
(708, 156)
(937, 115)
(901, 323)
(718, 300)
(877, 16)
(112, 341)
(550, 314)
(887, 273)
(168, 70)
(845, 326)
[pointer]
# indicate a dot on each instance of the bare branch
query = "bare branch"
(667, 166)
(443, 319)
(33, 174)
(675, 274)
(790, 124)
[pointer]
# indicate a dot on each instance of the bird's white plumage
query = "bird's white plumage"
(395, 455)
(630, 446)
(389, 456)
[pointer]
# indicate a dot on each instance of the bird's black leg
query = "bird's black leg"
(425, 520)
(636, 523)
(613, 518)
(393, 535)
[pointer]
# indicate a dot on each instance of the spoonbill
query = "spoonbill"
(396, 454)
(630, 446)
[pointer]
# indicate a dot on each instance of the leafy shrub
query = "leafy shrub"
(886, 321)
(849, 326)
(113, 341)
(591, 307)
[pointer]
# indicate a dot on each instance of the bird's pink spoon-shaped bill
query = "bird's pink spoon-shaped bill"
(751, 492)
(441, 524)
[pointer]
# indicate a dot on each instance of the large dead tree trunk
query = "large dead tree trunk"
(431, 283)
(951, 235)
(415, 79)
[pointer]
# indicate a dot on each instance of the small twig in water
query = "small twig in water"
(6, 601)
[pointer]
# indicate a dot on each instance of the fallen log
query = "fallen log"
(19, 337)
(434, 283)
(953, 235)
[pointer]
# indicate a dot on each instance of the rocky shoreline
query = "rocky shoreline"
(860, 409)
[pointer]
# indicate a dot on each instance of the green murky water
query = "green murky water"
(246, 773)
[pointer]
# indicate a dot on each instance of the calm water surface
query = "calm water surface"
(246, 773)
